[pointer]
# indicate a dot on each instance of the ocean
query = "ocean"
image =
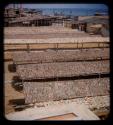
(74, 11)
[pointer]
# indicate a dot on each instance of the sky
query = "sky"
(34, 6)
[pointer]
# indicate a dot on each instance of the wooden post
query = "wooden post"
(77, 45)
(57, 46)
(82, 47)
(28, 48)
(37, 22)
(45, 22)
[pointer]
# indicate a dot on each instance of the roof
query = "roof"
(29, 18)
(95, 20)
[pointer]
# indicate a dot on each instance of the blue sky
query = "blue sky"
(64, 6)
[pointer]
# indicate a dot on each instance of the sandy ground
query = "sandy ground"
(59, 40)
(12, 96)
(43, 32)
(9, 92)
(45, 36)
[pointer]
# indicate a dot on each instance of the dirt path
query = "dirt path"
(10, 97)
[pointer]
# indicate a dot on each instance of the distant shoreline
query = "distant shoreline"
(73, 11)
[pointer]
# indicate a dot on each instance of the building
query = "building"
(95, 25)
(36, 20)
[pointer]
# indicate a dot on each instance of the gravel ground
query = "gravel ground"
(91, 102)
(38, 30)
(62, 69)
(60, 55)
(57, 90)
(97, 104)
(45, 35)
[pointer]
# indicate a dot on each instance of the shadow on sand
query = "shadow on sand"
(18, 104)
(17, 83)
(12, 68)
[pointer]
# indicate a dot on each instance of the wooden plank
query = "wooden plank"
(81, 111)
(67, 45)
(15, 47)
(41, 46)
